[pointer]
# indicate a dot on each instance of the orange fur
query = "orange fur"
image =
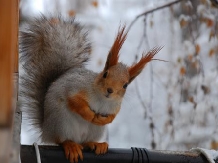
(136, 69)
(54, 21)
(72, 150)
(112, 81)
(79, 105)
(102, 120)
(113, 55)
(100, 148)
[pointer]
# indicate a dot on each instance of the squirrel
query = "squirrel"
(67, 103)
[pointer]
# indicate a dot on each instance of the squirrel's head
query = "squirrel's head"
(112, 82)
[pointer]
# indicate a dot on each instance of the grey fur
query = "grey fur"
(47, 51)
(52, 54)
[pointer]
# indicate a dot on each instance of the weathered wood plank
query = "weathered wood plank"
(8, 65)
(8, 53)
(16, 129)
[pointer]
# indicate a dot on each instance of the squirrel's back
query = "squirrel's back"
(49, 47)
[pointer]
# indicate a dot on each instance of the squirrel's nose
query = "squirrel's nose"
(110, 90)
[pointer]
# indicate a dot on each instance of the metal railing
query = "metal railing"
(55, 154)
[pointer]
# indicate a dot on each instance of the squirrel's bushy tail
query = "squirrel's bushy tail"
(48, 48)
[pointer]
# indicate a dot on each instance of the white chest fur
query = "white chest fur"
(103, 105)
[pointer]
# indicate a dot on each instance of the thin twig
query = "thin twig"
(159, 60)
(150, 107)
(136, 84)
(152, 10)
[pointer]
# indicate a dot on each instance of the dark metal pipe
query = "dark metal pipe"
(55, 154)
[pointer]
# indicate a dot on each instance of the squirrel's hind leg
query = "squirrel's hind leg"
(100, 148)
(73, 151)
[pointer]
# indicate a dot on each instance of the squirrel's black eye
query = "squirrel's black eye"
(105, 74)
(125, 85)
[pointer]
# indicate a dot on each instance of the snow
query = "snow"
(184, 116)
(211, 155)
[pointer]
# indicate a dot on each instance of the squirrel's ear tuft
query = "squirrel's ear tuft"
(136, 69)
(113, 56)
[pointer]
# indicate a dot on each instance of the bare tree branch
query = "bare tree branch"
(152, 10)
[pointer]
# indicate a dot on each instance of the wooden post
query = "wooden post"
(8, 65)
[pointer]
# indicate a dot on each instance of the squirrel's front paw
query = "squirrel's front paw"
(100, 148)
(72, 150)
(103, 120)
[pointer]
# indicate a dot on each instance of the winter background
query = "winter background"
(173, 104)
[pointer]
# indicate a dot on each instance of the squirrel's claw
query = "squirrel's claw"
(73, 151)
(100, 148)
(103, 120)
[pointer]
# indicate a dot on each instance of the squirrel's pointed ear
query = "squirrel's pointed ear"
(113, 56)
(136, 69)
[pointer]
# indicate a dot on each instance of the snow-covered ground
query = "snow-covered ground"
(172, 105)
